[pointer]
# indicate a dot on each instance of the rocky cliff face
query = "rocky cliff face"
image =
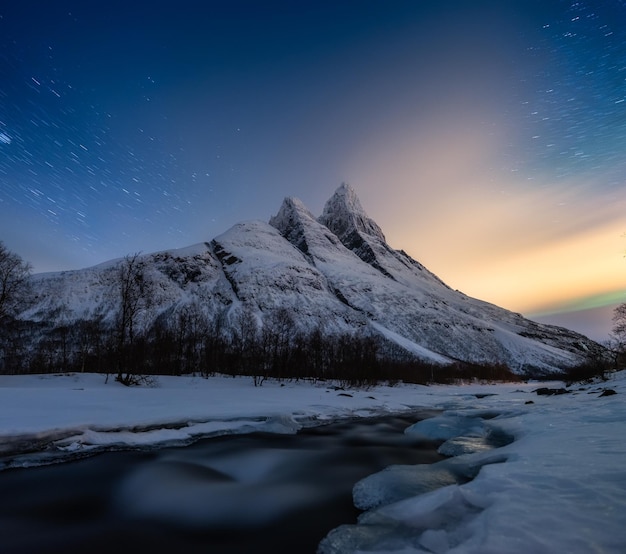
(335, 272)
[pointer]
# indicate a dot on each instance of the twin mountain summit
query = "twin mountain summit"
(336, 273)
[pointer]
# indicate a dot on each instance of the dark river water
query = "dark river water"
(235, 494)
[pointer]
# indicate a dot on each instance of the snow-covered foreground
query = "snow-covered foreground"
(79, 412)
(560, 486)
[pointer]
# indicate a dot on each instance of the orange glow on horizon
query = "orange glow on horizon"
(519, 243)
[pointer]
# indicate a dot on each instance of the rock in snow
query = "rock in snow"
(337, 272)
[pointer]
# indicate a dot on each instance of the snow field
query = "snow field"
(559, 486)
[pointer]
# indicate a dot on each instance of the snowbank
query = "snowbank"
(559, 486)
(49, 416)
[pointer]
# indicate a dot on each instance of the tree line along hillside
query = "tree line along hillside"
(188, 341)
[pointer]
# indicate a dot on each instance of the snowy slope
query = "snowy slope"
(179, 276)
(266, 272)
(393, 290)
(335, 272)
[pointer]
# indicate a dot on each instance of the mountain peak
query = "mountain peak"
(349, 196)
(343, 215)
(290, 220)
(291, 211)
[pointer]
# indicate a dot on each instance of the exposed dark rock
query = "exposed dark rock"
(225, 257)
(607, 392)
(545, 391)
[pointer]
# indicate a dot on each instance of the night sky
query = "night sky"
(486, 138)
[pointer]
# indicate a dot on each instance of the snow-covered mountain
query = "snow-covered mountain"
(335, 272)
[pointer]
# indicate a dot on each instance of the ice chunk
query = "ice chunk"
(458, 446)
(398, 482)
(283, 424)
(433, 510)
(492, 435)
(446, 426)
(348, 539)
(433, 522)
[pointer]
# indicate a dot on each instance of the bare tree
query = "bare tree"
(617, 343)
(619, 320)
(90, 339)
(134, 290)
(14, 273)
(279, 328)
(188, 328)
(245, 342)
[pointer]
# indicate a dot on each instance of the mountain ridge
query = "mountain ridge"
(335, 272)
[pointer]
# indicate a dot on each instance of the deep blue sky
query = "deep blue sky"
(487, 138)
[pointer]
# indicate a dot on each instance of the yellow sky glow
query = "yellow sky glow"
(525, 245)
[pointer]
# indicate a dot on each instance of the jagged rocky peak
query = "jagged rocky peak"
(290, 220)
(343, 215)
(290, 214)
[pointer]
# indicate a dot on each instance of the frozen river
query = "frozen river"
(234, 494)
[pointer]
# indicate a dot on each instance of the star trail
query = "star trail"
(486, 138)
